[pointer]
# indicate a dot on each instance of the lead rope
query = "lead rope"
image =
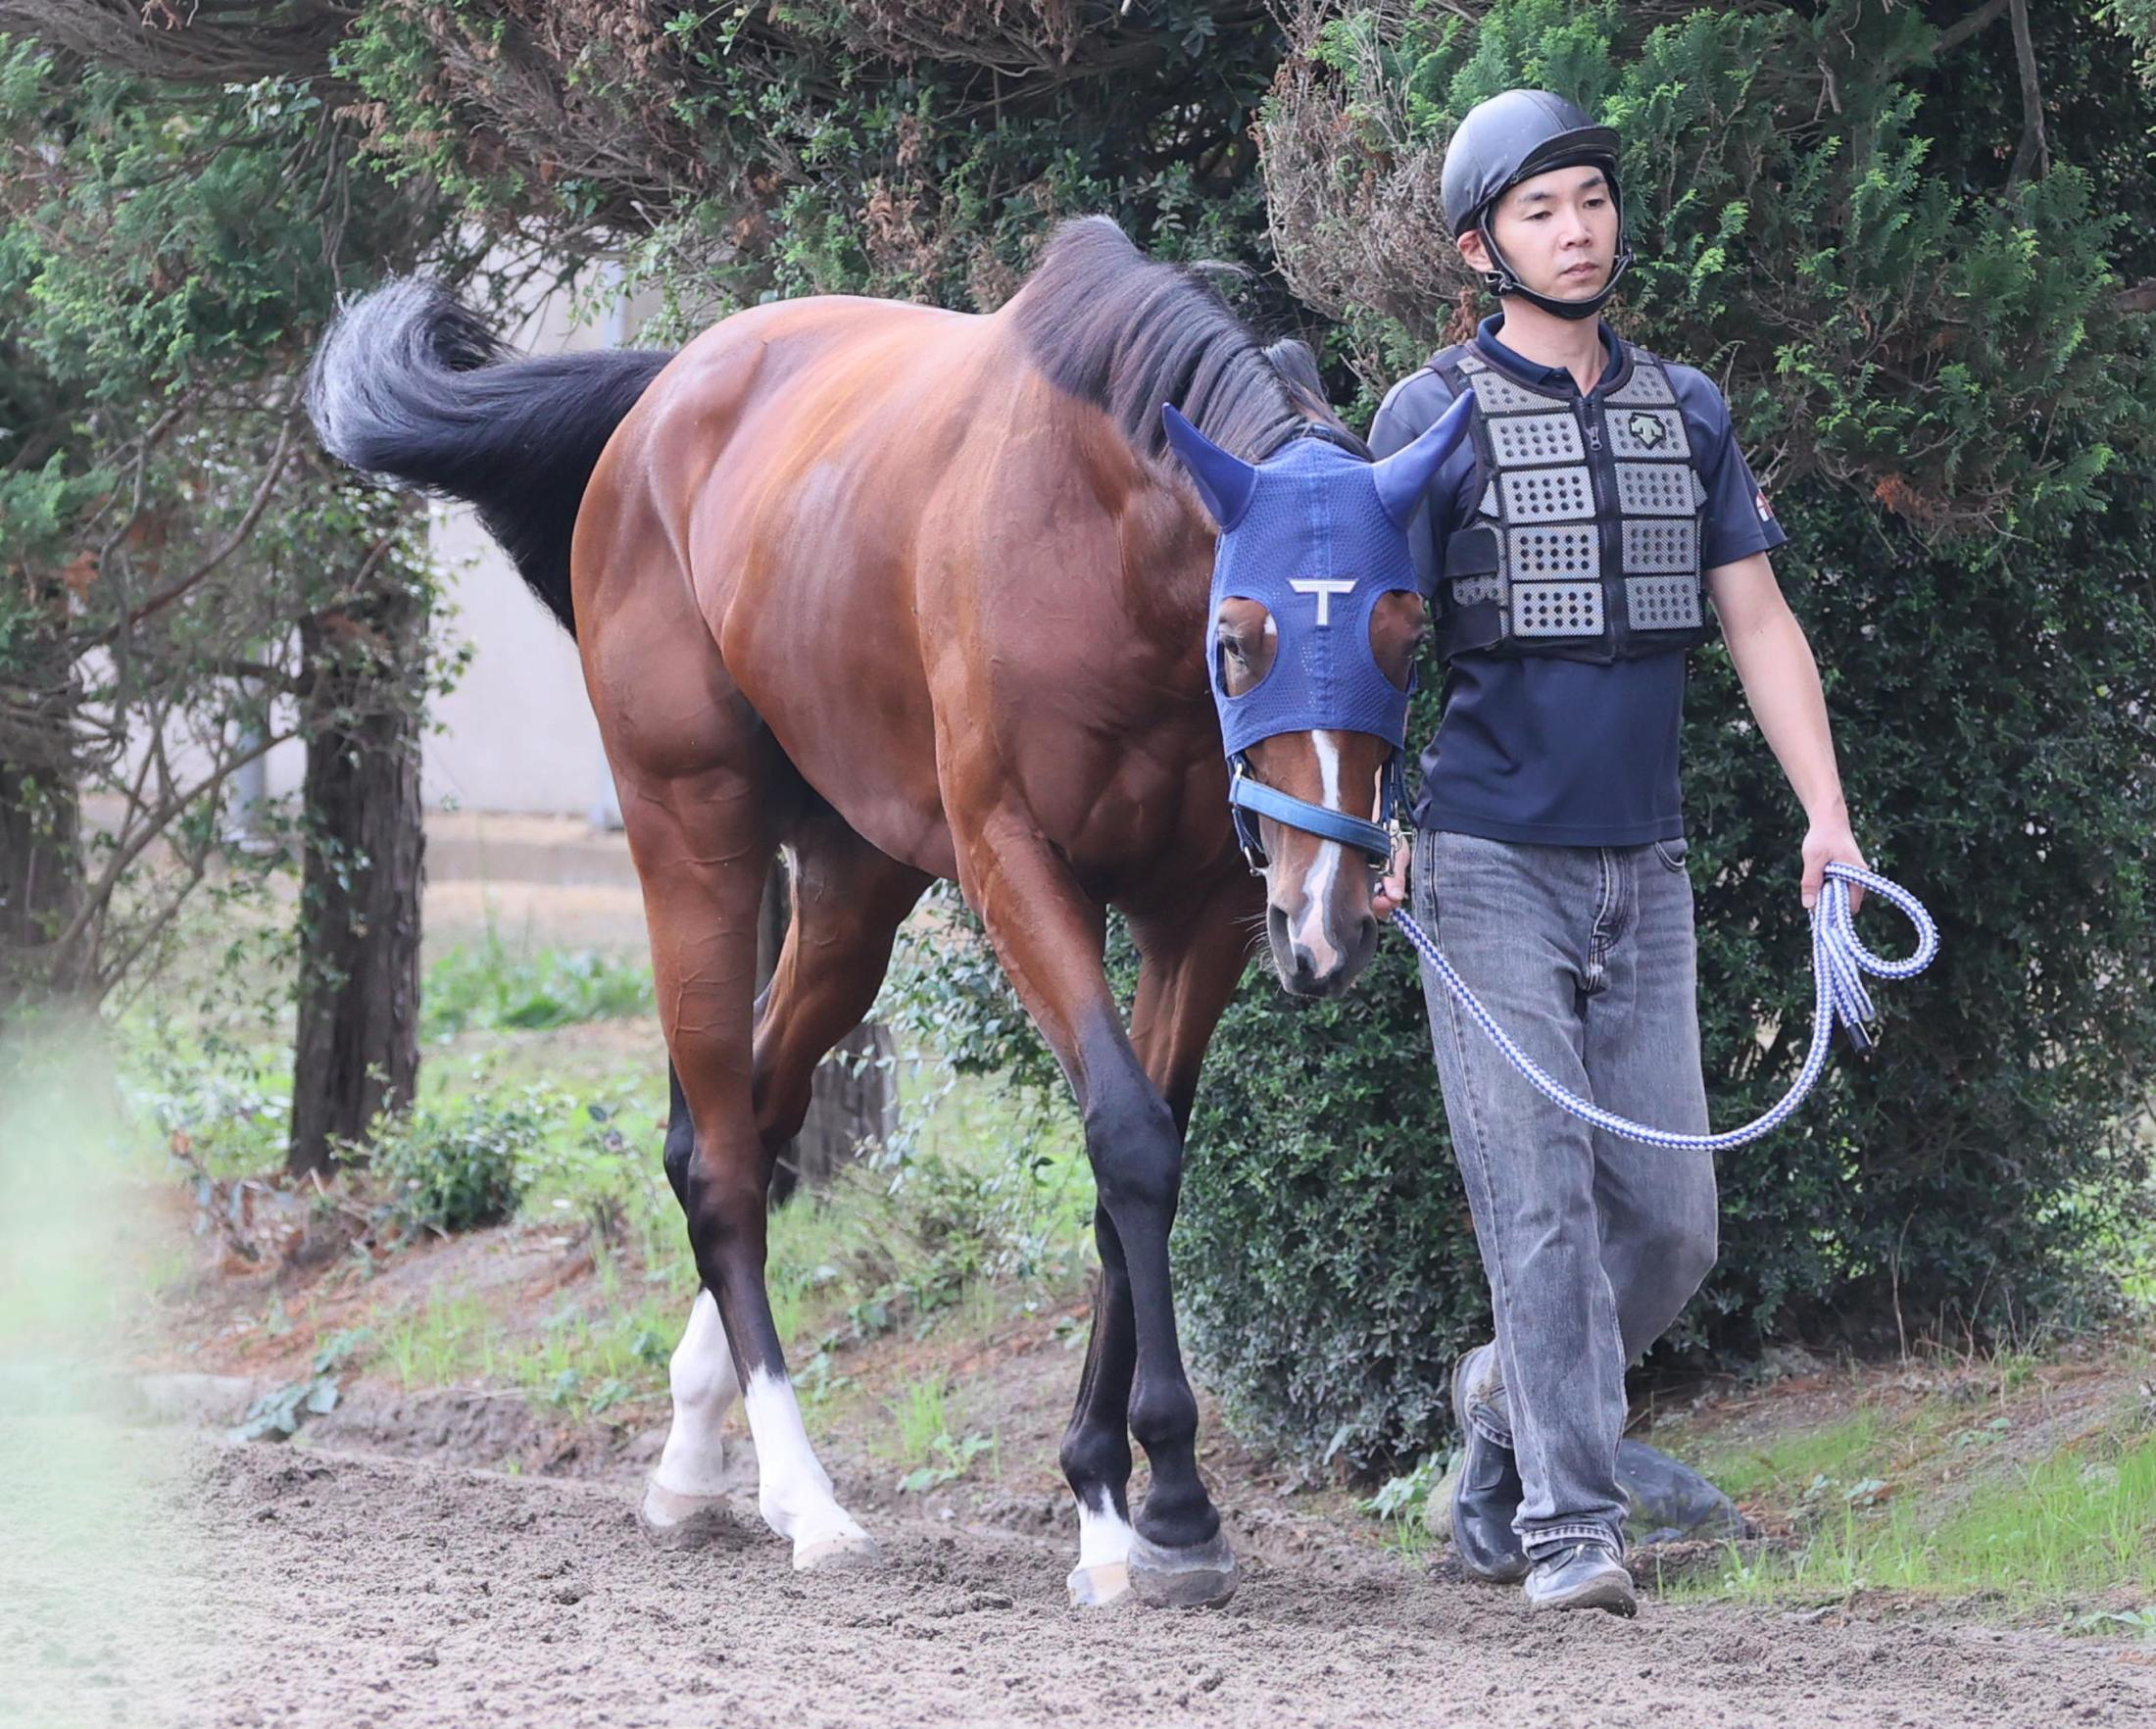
(1838, 962)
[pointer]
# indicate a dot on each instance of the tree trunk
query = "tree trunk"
(357, 1048)
(42, 881)
(854, 1103)
(852, 1098)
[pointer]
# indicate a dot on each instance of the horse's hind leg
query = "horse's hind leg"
(684, 1502)
(702, 816)
(849, 900)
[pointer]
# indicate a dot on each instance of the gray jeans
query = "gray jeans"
(1592, 1244)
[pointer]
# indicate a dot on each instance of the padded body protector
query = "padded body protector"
(1586, 544)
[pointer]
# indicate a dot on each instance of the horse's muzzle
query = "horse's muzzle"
(1322, 964)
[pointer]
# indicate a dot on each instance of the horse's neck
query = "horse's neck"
(1167, 571)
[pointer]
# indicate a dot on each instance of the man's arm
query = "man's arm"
(1409, 410)
(1780, 681)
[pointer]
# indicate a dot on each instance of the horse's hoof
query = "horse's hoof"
(847, 1552)
(672, 1520)
(1202, 1576)
(1097, 1587)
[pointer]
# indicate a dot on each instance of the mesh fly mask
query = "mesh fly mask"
(1317, 536)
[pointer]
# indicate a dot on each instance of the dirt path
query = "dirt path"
(151, 1578)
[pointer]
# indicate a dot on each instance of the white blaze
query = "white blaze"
(1313, 933)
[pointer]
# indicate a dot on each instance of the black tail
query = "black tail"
(410, 386)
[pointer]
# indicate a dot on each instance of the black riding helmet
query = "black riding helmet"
(1511, 139)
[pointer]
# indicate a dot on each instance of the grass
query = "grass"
(919, 1420)
(947, 1233)
(920, 1437)
(1402, 1505)
(2071, 1526)
(946, 1229)
(1840, 1453)
(1929, 1498)
(443, 1341)
(489, 986)
(588, 1355)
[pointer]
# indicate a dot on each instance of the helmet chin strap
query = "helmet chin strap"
(1505, 279)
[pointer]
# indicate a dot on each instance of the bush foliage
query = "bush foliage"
(1923, 339)
(454, 1165)
(1933, 357)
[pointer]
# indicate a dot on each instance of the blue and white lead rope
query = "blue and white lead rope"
(1838, 962)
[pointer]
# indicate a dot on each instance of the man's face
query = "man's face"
(1558, 231)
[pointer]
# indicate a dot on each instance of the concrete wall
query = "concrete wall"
(516, 733)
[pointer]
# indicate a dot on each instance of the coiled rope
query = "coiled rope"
(1839, 996)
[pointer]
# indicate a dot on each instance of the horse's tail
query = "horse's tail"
(410, 384)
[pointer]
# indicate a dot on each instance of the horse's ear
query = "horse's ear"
(1225, 482)
(1405, 476)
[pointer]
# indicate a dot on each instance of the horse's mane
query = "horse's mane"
(1126, 332)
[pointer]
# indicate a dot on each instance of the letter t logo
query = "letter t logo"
(1324, 588)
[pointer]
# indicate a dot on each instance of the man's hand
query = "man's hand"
(1829, 842)
(1391, 888)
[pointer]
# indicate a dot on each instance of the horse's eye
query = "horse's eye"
(1232, 647)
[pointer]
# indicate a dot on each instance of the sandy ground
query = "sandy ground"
(386, 1570)
(156, 1577)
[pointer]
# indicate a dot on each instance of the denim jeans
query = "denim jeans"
(1591, 1243)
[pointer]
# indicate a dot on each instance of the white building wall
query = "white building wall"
(517, 734)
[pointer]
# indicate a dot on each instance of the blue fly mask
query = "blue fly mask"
(1317, 536)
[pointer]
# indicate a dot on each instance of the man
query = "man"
(1569, 555)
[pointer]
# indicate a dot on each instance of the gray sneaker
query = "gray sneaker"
(1583, 1576)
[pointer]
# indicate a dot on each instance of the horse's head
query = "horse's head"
(1316, 618)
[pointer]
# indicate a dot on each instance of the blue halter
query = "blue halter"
(1317, 536)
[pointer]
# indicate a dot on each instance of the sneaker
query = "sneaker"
(1584, 1575)
(1485, 1498)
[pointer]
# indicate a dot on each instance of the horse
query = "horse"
(911, 593)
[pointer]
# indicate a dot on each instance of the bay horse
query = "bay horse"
(912, 593)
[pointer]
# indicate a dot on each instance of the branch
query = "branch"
(210, 44)
(1955, 35)
(167, 810)
(2136, 297)
(2035, 148)
(233, 542)
(115, 971)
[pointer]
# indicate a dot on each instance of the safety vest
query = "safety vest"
(1585, 543)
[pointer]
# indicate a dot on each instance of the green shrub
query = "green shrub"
(1967, 417)
(488, 987)
(459, 1163)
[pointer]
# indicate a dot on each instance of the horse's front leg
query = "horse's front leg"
(1193, 955)
(1049, 935)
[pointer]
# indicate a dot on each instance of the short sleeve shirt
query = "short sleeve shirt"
(1564, 753)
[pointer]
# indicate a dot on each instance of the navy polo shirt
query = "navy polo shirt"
(1564, 753)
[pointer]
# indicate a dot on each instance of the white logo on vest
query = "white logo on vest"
(1324, 588)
